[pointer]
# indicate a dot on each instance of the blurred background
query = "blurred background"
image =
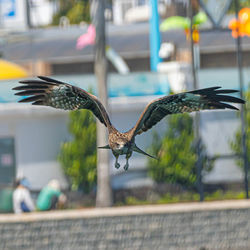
(154, 48)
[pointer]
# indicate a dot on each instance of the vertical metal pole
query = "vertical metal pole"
(197, 115)
(104, 192)
(28, 14)
(154, 35)
(242, 110)
(1, 16)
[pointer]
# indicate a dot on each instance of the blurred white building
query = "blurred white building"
(127, 11)
(41, 12)
(13, 14)
(20, 14)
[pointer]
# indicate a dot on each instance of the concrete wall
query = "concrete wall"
(210, 225)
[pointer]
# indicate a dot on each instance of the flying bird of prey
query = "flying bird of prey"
(60, 95)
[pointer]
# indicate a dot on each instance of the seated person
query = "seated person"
(22, 201)
(50, 197)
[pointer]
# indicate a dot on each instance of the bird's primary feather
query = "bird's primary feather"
(57, 94)
(60, 95)
(201, 99)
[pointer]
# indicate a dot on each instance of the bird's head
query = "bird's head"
(121, 145)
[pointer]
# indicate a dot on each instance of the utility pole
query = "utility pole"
(28, 20)
(242, 110)
(104, 192)
(192, 4)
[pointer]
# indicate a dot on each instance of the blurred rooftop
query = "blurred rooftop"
(57, 46)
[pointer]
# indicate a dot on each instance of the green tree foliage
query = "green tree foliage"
(242, 4)
(176, 153)
(236, 144)
(76, 11)
(79, 12)
(78, 157)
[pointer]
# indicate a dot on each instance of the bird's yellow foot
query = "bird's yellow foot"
(117, 165)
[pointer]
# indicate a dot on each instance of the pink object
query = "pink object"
(87, 38)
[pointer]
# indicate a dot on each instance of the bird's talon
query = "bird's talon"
(117, 165)
(126, 167)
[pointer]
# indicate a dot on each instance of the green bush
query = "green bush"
(242, 4)
(78, 157)
(186, 197)
(176, 153)
(79, 12)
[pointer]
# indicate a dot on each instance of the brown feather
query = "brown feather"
(196, 100)
(50, 92)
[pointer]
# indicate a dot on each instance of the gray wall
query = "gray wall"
(214, 225)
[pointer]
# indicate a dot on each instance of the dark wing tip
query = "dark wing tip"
(39, 102)
(35, 82)
(219, 98)
(228, 98)
(224, 91)
(228, 106)
(32, 99)
(34, 90)
(48, 79)
(24, 81)
(205, 90)
(30, 92)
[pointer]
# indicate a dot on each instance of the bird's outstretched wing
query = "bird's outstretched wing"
(60, 95)
(209, 98)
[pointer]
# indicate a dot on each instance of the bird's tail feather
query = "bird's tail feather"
(105, 147)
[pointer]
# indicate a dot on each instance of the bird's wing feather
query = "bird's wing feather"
(60, 95)
(208, 98)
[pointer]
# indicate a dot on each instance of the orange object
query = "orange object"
(244, 15)
(247, 29)
(187, 33)
(196, 36)
(241, 27)
(234, 33)
(233, 24)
